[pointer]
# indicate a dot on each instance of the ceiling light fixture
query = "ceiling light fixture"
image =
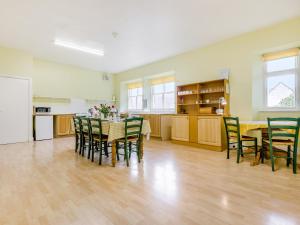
(74, 46)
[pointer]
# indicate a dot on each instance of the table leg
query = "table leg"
(113, 153)
(256, 160)
(142, 146)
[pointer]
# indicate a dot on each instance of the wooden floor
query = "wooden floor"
(47, 183)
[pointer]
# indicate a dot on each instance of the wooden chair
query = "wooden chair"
(232, 127)
(98, 140)
(85, 135)
(131, 142)
(283, 139)
(77, 125)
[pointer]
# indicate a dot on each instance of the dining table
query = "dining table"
(116, 130)
(255, 128)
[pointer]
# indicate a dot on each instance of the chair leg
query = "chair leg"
(130, 148)
(272, 157)
(76, 142)
(80, 144)
(262, 153)
(256, 149)
(295, 161)
(117, 151)
(228, 145)
(93, 151)
(90, 149)
(273, 163)
(126, 153)
(106, 148)
(241, 149)
(239, 152)
(100, 150)
(83, 147)
(288, 159)
(138, 151)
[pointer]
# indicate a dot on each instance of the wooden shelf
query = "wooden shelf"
(200, 92)
(189, 104)
(187, 94)
(211, 92)
(211, 103)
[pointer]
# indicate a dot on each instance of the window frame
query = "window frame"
(171, 110)
(136, 97)
(267, 75)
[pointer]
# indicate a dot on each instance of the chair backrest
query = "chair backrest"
(85, 125)
(284, 128)
(95, 126)
(232, 127)
(77, 124)
(133, 127)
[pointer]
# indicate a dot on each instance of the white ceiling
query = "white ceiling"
(149, 30)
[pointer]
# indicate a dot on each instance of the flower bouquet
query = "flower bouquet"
(105, 110)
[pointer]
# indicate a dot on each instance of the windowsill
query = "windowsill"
(152, 112)
(279, 110)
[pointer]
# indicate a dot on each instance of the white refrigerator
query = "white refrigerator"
(43, 127)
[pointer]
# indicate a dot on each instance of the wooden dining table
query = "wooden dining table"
(253, 128)
(116, 130)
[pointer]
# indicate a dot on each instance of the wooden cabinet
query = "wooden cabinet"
(63, 125)
(180, 128)
(155, 125)
(160, 125)
(205, 132)
(209, 130)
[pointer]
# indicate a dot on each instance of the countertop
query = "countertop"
(52, 114)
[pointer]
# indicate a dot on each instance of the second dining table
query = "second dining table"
(116, 130)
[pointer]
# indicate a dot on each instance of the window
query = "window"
(281, 79)
(135, 97)
(163, 94)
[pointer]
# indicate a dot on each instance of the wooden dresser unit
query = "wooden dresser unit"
(63, 125)
(196, 122)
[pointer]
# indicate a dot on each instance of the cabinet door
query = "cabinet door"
(63, 125)
(72, 128)
(165, 127)
(209, 130)
(193, 129)
(155, 125)
(180, 128)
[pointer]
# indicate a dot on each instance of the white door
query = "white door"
(15, 103)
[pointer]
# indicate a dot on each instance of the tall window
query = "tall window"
(135, 96)
(281, 78)
(163, 94)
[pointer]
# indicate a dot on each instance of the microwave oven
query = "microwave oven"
(42, 109)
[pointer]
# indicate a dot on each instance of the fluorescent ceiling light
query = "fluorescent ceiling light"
(74, 46)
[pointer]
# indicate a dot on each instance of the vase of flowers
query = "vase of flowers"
(104, 109)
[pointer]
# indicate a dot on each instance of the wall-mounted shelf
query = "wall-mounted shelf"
(50, 99)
